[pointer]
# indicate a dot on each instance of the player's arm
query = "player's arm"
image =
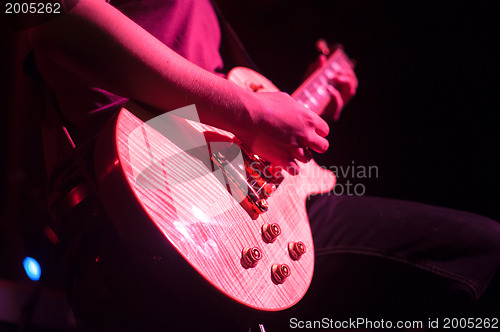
(103, 46)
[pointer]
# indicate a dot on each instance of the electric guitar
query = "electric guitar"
(237, 220)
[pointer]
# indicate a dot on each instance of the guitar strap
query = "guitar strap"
(49, 108)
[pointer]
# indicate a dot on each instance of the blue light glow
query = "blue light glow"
(32, 268)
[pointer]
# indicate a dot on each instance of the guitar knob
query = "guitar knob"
(296, 250)
(250, 257)
(279, 272)
(270, 232)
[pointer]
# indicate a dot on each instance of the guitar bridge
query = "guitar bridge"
(253, 181)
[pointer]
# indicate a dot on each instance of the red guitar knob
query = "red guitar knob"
(270, 232)
(296, 250)
(250, 257)
(279, 272)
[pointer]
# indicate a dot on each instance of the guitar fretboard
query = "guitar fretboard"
(313, 93)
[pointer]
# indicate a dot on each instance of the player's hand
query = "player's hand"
(282, 131)
(341, 88)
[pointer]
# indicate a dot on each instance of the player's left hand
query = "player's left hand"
(342, 88)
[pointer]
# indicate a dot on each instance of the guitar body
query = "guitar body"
(159, 185)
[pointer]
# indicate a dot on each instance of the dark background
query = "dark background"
(426, 111)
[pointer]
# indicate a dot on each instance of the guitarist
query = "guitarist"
(376, 257)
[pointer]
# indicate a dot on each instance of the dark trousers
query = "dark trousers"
(395, 260)
(375, 259)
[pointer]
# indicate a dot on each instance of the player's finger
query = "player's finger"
(317, 143)
(302, 154)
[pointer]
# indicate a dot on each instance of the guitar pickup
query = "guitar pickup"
(252, 182)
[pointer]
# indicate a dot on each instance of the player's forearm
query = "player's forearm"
(110, 51)
(107, 49)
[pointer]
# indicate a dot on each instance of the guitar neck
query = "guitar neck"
(313, 93)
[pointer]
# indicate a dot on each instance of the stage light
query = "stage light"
(32, 268)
